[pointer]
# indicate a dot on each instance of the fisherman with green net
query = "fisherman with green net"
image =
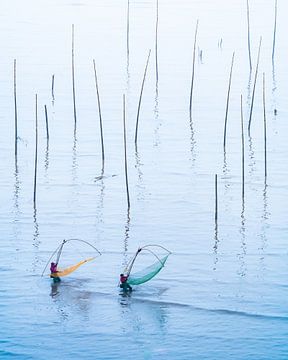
(124, 283)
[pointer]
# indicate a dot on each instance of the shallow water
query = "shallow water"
(223, 291)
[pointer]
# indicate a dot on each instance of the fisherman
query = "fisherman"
(124, 284)
(53, 270)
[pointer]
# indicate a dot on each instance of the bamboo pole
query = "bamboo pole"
(216, 200)
(52, 87)
(274, 32)
(128, 29)
(125, 152)
(100, 116)
(156, 40)
(243, 150)
(193, 69)
(140, 97)
(36, 151)
(254, 86)
(73, 79)
(227, 102)
(47, 125)
(265, 128)
(15, 112)
(248, 29)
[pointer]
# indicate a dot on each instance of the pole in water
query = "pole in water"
(15, 110)
(274, 32)
(73, 78)
(227, 102)
(140, 97)
(193, 69)
(248, 30)
(243, 149)
(46, 119)
(52, 87)
(254, 86)
(36, 150)
(100, 116)
(156, 40)
(216, 200)
(128, 28)
(265, 128)
(125, 151)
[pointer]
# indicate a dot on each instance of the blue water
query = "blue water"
(223, 291)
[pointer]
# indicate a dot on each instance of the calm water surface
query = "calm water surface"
(223, 292)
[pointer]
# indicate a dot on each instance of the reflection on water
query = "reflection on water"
(16, 188)
(156, 116)
(215, 247)
(242, 254)
(70, 297)
(264, 228)
(126, 238)
(140, 183)
(46, 162)
(252, 161)
(144, 316)
(192, 140)
(222, 278)
(74, 157)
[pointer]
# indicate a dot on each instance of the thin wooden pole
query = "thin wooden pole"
(52, 86)
(216, 200)
(274, 32)
(73, 78)
(100, 116)
(47, 125)
(249, 45)
(227, 102)
(125, 151)
(193, 69)
(15, 111)
(140, 97)
(156, 40)
(254, 86)
(36, 151)
(265, 128)
(128, 29)
(243, 149)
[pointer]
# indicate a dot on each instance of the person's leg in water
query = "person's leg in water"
(125, 286)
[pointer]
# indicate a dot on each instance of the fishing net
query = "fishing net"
(148, 273)
(70, 269)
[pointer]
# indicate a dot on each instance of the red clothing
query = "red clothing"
(53, 268)
(123, 279)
